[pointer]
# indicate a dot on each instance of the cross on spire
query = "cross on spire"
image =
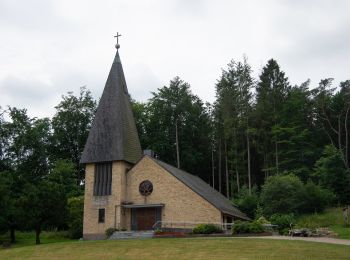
(117, 36)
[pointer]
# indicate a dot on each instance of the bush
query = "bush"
(246, 202)
(247, 227)
(110, 231)
(282, 194)
(207, 229)
(262, 220)
(284, 222)
(331, 173)
(316, 198)
(75, 218)
(256, 227)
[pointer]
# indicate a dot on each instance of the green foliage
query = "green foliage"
(246, 202)
(271, 94)
(233, 129)
(283, 221)
(282, 194)
(244, 227)
(207, 229)
(11, 213)
(71, 124)
(331, 173)
(263, 221)
(75, 216)
(63, 173)
(287, 194)
(316, 198)
(156, 122)
(110, 231)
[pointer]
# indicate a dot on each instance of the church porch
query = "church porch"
(142, 216)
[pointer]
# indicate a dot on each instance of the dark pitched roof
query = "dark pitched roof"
(203, 189)
(113, 135)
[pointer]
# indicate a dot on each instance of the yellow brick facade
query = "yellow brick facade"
(181, 204)
(111, 203)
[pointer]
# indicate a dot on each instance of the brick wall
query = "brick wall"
(182, 204)
(113, 217)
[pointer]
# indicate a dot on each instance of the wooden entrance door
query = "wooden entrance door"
(146, 218)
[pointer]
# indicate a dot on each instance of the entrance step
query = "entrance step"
(131, 235)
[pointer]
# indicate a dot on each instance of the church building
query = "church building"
(127, 190)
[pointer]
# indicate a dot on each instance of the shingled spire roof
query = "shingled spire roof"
(113, 135)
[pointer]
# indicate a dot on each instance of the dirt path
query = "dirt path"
(311, 239)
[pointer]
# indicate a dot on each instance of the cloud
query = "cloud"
(50, 47)
(34, 95)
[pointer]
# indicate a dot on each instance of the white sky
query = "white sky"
(50, 47)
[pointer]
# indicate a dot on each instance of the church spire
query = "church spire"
(113, 135)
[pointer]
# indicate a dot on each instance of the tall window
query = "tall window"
(101, 215)
(103, 179)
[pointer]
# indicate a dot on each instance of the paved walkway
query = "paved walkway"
(311, 239)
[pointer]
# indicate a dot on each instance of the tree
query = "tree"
(4, 163)
(332, 110)
(172, 107)
(75, 219)
(33, 197)
(331, 173)
(71, 125)
(233, 112)
(298, 133)
(12, 214)
(45, 205)
(271, 92)
(142, 117)
(63, 173)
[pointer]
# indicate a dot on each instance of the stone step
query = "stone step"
(131, 235)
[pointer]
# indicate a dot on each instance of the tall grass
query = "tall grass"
(331, 218)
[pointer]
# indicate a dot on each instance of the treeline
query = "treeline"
(256, 128)
(255, 133)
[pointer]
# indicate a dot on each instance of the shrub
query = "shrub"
(316, 198)
(262, 220)
(256, 227)
(284, 222)
(207, 229)
(110, 231)
(283, 194)
(331, 173)
(240, 227)
(247, 227)
(246, 202)
(75, 218)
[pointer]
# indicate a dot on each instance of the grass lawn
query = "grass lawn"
(331, 218)
(28, 238)
(193, 248)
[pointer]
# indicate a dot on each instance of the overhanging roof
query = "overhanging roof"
(137, 206)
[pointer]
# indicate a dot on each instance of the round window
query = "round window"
(146, 188)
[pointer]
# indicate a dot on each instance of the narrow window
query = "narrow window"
(101, 215)
(103, 179)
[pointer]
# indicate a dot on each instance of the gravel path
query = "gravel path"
(311, 239)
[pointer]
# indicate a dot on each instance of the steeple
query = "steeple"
(113, 135)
